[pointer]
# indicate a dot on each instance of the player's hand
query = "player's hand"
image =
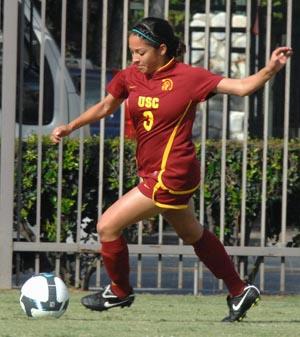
(279, 58)
(60, 132)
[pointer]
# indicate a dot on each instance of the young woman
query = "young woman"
(162, 97)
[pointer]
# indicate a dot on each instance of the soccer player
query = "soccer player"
(162, 95)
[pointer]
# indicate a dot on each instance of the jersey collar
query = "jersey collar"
(170, 64)
(166, 66)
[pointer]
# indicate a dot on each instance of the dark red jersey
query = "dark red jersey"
(162, 108)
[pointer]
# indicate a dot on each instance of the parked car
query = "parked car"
(60, 105)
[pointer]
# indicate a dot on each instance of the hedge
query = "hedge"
(111, 168)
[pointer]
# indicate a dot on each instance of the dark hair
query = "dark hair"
(157, 31)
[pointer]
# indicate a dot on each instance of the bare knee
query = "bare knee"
(190, 233)
(189, 238)
(106, 230)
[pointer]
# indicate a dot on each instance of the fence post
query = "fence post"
(9, 72)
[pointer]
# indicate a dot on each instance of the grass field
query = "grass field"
(155, 316)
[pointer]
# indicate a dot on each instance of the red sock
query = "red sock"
(212, 253)
(116, 261)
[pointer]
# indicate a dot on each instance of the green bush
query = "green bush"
(70, 169)
(233, 189)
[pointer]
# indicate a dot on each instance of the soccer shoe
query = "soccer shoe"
(239, 305)
(105, 299)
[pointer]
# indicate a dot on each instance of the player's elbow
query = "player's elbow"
(107, 110)
(236, 87)
(239, 91)
(243, 93)
(109, 105)
(243, 90)
(247, 87)
(104, 109)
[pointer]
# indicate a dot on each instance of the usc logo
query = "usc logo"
(148, 102)
(166, 84)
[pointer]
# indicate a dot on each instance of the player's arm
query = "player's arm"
(248, 85)
(100, 110)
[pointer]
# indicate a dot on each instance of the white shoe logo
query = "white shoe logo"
(110, 305)
(107, 293)
(237, 307)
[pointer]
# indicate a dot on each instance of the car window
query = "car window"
(31, 89)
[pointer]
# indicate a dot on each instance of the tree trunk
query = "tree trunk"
(115, 33)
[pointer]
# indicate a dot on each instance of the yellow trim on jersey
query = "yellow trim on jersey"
(166, 65)
(170, 206)
(166, 156)
(186, 191)
(159, 179)
(164, 187)
(171, 139)
(160, 183)
(156, 187)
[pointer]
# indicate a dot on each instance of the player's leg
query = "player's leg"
(129, 209)
(213, 254)
(206, 245)
(185, 223)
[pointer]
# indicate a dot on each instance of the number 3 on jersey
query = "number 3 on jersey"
(149, 119)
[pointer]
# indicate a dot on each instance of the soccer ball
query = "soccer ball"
(44, 295)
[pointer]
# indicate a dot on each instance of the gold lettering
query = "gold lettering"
(155, 103)
(141, 101)
(148, 102)
(149, 120)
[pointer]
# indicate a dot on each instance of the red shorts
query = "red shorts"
(163, 196)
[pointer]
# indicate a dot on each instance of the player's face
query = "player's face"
(147, 58)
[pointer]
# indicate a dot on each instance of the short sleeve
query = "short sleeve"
(202, 83)
(117, 86)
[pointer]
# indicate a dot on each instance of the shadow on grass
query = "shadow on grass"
(189, 321)
(271, 322)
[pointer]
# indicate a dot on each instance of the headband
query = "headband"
(147, 37)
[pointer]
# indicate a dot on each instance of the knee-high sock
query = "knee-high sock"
(116, 261)
(213, 254)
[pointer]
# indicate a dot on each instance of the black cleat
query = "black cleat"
(239, 305)
(105, 299)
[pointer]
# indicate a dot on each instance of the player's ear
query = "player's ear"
(163, 49)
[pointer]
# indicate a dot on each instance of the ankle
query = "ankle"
(120, 292)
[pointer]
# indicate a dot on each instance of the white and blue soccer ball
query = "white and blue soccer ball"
(44, 295)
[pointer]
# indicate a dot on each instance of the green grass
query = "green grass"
(155, 316)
